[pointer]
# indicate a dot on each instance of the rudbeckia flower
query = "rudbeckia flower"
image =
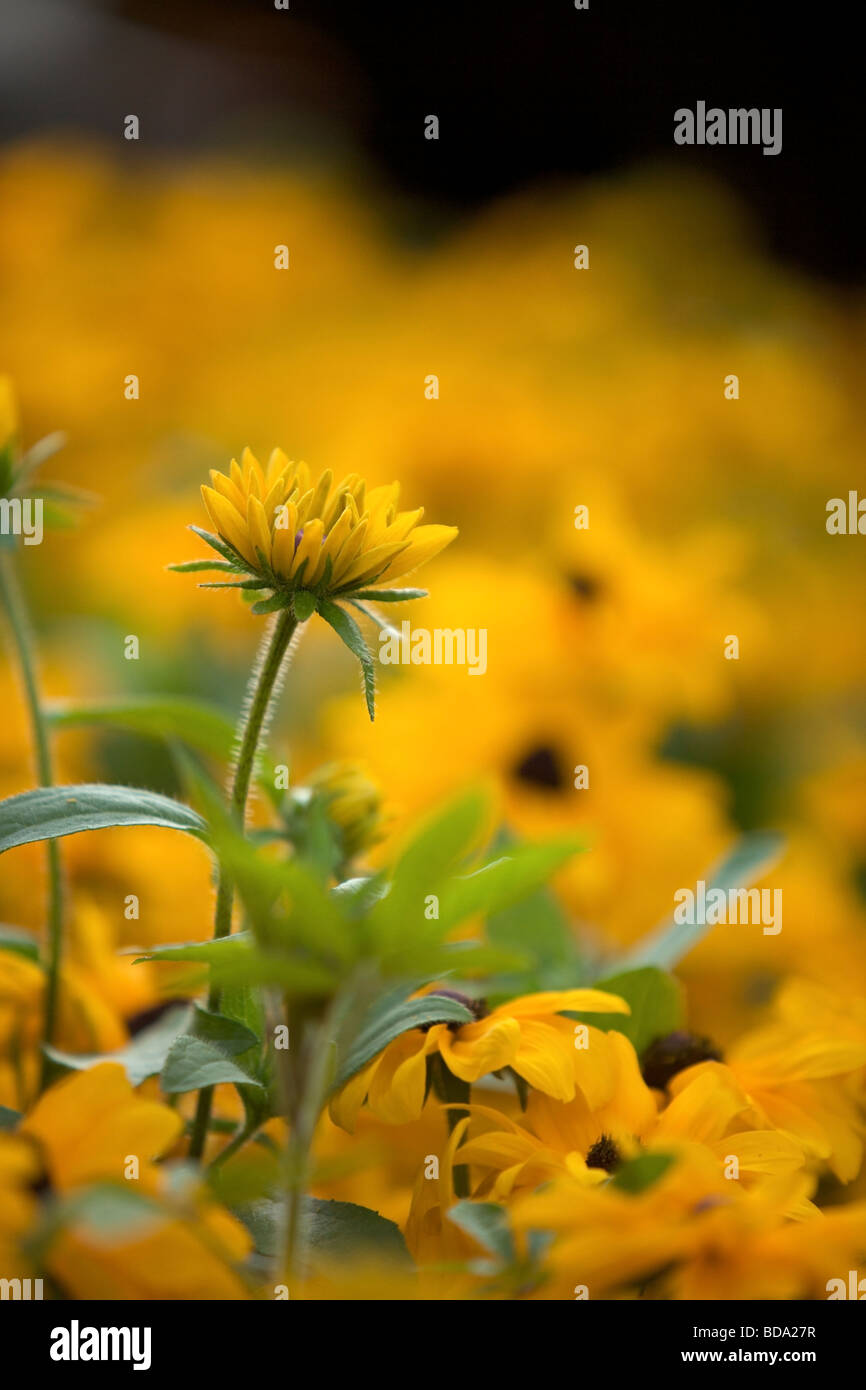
(528, 1034)
(587, 1141)
(287, 531)
(794, 1079)
(84, 1130)
(89, 1122)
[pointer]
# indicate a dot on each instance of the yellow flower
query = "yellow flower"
(527, 1034)
(691, 1232)
(19, 1171)
(795, 1079)
(293, 533)
(91, 1121)
(587, 1138)
(87, 1127)
(590, 1142)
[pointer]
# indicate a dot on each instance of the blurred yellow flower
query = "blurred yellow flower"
(90, 1122)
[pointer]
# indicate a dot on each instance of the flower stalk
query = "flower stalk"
(264, 688)
(19, 626)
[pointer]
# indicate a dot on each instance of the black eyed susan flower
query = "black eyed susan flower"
(306, 543)
(325, 538)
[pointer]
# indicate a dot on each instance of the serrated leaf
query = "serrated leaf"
(338, 1233)
(193, 1063)
(332, 1233)
(348, 631)
(229, 1035)
(143, 1055)
(47, 813)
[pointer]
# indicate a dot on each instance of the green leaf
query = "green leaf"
(437, 848)
(331, 1232)
(487, 1223)
(236, 960)
(22, 942)
(195, 566)
(347, 629)
(193, 1063)
(196, 724)
(273, 604)
(504, 882)
(229, 1035)
(341, 1232)
(143, 1055)
(657, 1006)
(49, 812)
(105, 1212)
(8, 1118)
(387, 1019)
(305, 605)
(287, 906)
(221, 547)
(538, 926)
(751, 858)
(641, 1172)
(391, 595)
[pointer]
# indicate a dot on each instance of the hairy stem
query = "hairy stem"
(19, 626)
(263, 690)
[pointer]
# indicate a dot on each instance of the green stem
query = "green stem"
(244, 1131)
(263, 688)
(19, 624)
(307, 1082)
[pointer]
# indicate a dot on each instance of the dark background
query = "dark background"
(524, 91)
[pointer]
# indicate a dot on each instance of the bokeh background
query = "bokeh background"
(557, 388)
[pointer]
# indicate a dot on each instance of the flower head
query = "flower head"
(327, 538)
(308, 543)
(528, 1034)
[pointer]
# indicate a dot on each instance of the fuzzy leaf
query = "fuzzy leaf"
(347, 629)
(47, 813)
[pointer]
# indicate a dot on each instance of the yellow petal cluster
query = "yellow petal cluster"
(322, 535)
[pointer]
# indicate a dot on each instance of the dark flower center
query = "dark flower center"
(667, 1056)
(604, 1154)
(586, 586)
(541, 768)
